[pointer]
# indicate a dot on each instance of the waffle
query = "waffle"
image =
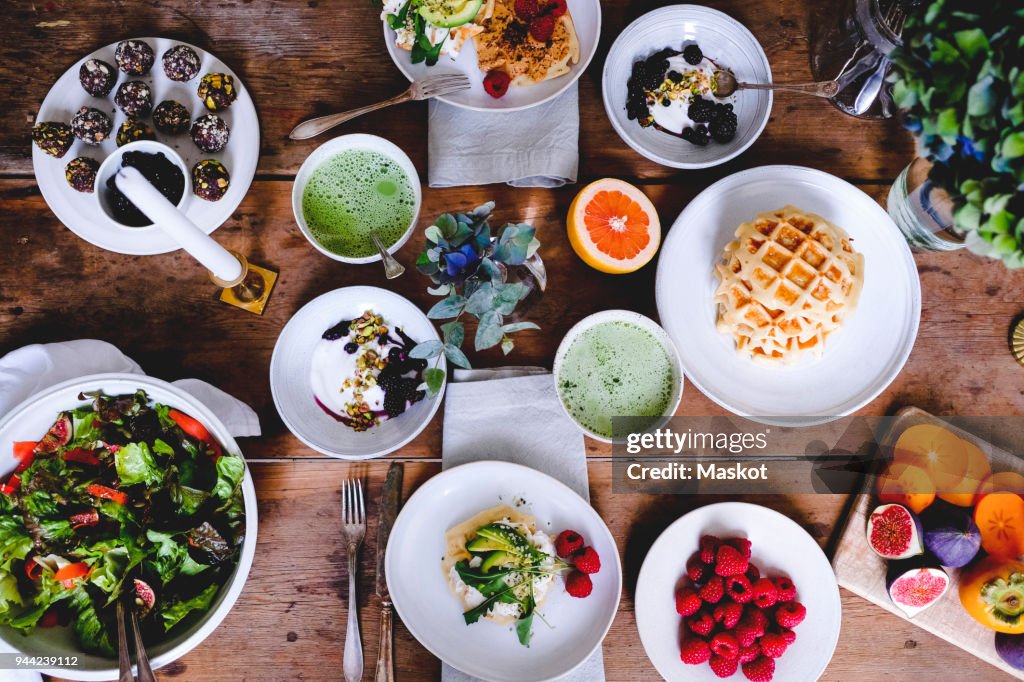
(789, 280)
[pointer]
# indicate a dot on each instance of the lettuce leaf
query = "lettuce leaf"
(9, 594)
(15, 542)
(83, 422)
(169, 556)
(134, 463)
(91, 631)
(173, 612)
(230, 470)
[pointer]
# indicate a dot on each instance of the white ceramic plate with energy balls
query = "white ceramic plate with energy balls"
(79, 210)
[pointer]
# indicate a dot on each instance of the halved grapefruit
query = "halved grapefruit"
(613, 227)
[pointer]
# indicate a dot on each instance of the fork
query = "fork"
(353, 518)
(433, 86)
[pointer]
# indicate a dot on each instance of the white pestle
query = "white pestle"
(178, 227)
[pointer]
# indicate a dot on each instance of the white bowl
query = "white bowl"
(858, 362)
(635, 319)
(722, 39)
(486, 650)
(780, 548)
(586, 16)
(344, 143)
(291, 363)
(78, 211)
(112, 164)
(28, 422)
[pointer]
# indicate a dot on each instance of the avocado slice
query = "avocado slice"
(481, 544)
(497, 536)
(449, 13)
(498, 559)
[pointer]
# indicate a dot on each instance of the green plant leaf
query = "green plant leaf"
(508, 297)
(482, 300)
(456, 356)
(518, 327)
(447, 308)
(981, 98)
(454, 332)
(1013, 146)
(433, 233)
(426, 350)
(507, 345)
(440, 290)
(488, 331)
(490, 270)
(433, 378)
(971, 42)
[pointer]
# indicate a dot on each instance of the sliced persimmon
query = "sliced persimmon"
(1001, 482)
(908, 485)
(935, 449)
(1000, 517)
(964, 493)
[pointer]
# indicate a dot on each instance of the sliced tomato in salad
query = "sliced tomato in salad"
(67, 575)
(24, 452)
(33, 569)
(194, 428)
(105, 493)
(82, 456)
(12, 485)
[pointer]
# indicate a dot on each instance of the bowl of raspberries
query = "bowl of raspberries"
(736, 590)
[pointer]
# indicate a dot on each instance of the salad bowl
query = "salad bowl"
(28, 422)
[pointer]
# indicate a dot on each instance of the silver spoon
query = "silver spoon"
(725, 84)
(392, 268)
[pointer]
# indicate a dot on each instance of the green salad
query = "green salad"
(120, 497)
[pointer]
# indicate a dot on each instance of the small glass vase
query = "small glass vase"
(534, 275)
(922, 210)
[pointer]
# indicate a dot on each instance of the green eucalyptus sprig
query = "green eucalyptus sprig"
(959, 76)
(468, 268)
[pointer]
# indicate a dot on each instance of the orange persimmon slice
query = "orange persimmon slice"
(908, 485)
(1000, 517)
(935, 449)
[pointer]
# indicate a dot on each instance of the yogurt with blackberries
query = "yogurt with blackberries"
(361, 373)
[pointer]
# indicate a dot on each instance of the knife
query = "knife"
(390, 498)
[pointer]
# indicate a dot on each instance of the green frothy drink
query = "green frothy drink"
(354, 193)
(616, 369)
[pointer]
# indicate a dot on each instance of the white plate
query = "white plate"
(722, 39)
(28, 422)
(291, 363)
(780, 548)
(858, 361)
(486, 650)
(79, 211)
(586, 15)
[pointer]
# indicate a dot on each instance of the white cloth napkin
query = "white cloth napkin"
(498, 402)
(537, 147)
(26, 371)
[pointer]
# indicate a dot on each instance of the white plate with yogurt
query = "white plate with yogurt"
(724, 42)
(311, 376)
(79, 211)
(487, 650)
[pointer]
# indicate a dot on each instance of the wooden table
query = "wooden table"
(313, 57)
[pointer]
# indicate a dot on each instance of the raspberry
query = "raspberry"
(755, 620)
(687, 602)
(741, 544)
(746, 633)
(787, 635)
(568, 543)
(729, 561)
(692, 54)
(694, 651)
(713, 590)
(790, 614)
(765, 594)
(724, 667)
(556, 8)
(749, 652)
(542, 28)
(738, 589)
(728, 614)
(578, 585)
(724, 644)
(496, 83)
(526, 9)
(761, 669)
(587, 561)
(773, 645)
(785, 588)
(753, 573)
(701, 623)
(697, 570)
(708, 547)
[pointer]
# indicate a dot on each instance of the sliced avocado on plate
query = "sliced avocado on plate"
(449, 13)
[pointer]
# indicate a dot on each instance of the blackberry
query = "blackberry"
(701, 110)
(351, 347)
(396, 355)
(414, 365)
(388, 382)
(394, 404)
(407, 389)
(675, 76)
(722, 111)
(724, 129)
(692, 54)
(700, 135)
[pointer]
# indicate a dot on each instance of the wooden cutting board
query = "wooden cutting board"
(861, 571)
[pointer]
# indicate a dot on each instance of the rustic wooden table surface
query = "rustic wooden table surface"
(306, 57)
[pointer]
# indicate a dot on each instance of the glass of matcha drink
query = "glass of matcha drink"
(352, 187)
(617, 363)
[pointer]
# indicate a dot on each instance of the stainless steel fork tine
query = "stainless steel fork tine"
(446, 87)
(362, 506)
(344, 502)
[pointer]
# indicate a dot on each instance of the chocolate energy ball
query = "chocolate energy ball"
(134, 98)
(132, 130)
(181, 63)
(210, 133)
(91, 126)
(171, 117)
(97, 77)
(210, 180)
(217, 90)
(53, 137)
(134, 57)
(81, 173)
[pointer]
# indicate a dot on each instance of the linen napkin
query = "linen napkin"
(537, 147)
(482, 399)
